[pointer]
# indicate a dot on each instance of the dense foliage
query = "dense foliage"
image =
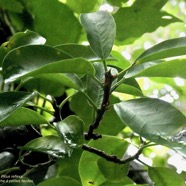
(65, 118)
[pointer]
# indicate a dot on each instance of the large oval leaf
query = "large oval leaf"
(101, 30)
(150, 117)
(51, 145)
(91, 174)
(11, 101)
(34, 60)
(23, 116)
(172, 68)
(166, 49)
(162, 176)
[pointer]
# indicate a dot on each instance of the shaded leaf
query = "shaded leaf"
(44, 12)
(101, 29)
(11, 5)
(11, 101)
(90, 173)
(162, 176)
(71, 129)
(51, 145)
(47, 83)
(23, 116)
(60, 181)
(37, 59)
(165, 49)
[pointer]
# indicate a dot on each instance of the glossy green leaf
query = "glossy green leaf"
(11, 101)
(151, 118)
(38, 59)
(124, 182)
(60, 181)
(162, 176)
(51, 145)
(71, 129)
(83, 51)
(128, 89)
(80, 6)
(101, 29)
(95, 88)
(23, 116)
(143, 19)
(25, 38)
(90, 173)
(174, 68)
(165, 49)
(113, 171)
(56, 31)
(47, 83)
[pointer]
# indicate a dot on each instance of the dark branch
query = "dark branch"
(112, 158)
(100, 112)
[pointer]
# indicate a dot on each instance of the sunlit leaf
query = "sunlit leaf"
(51, 145)
(150, 117)
(162, 176)
(165, 49)
(60, 181)
(101, 29)
(90, 173)
(172, 68)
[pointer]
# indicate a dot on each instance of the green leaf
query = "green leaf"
(83, 51)
(90, 173)
(174, 68)
(56, 31)
(128, 89)
(38, 59)
(116, 2)
(143, 19)
(101, 29)
(25, 38)
(51, 145)
(162, 176)
(71, 129)
(150, 117)
(11, 101)
(124, 182)
(11, 5)
(165, 49)
(23, 116)
(81, 6)
(47, 83)
(113, 171)
(95, 88)
(60, 181)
